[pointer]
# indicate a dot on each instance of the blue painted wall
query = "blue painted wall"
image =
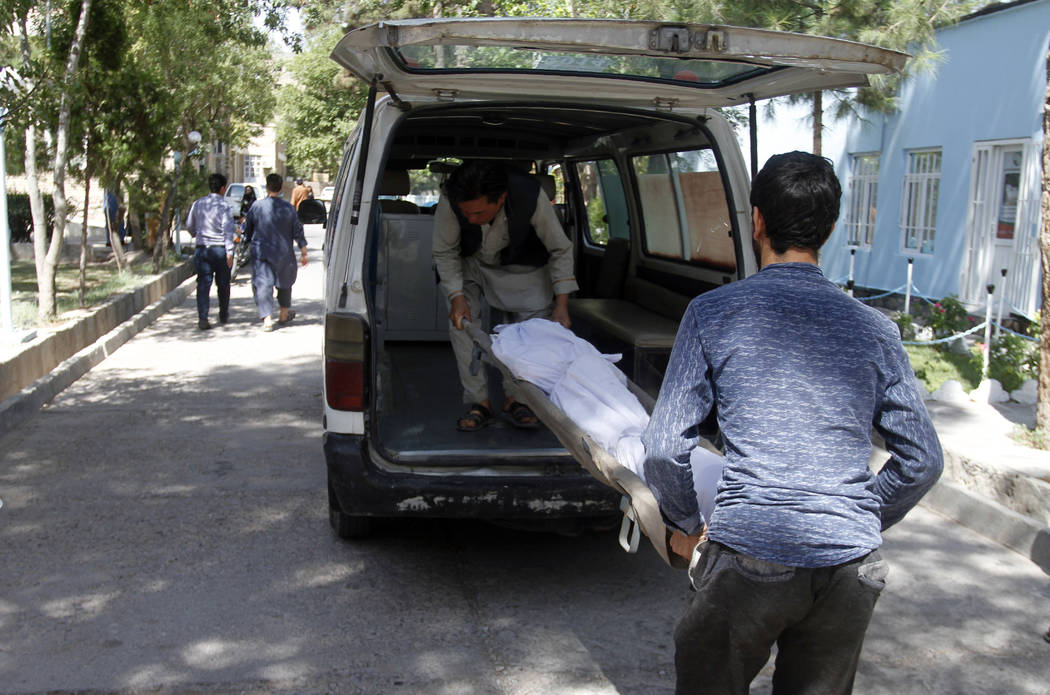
(989, 86)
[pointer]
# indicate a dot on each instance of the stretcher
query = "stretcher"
(641, 514)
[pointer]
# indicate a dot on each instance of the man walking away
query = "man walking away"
(799, 374)
(210, 222)
(273, 227)
(300, 193)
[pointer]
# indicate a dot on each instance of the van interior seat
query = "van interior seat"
(546, 182)
(396, 182)
(646, 317)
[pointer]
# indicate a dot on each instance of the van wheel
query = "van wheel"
(345, 525)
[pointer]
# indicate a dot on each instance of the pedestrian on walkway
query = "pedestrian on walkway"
(274, 228)
(300, 193)
(210, 222)
(798, 373)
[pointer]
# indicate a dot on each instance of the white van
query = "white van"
(620, 121)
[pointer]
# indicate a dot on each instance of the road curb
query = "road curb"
(30, 399)
(992, 520)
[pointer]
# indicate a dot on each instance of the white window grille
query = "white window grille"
(919, 198)
(863, 195)
(252, 167)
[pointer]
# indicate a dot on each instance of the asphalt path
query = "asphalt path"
(164, 530)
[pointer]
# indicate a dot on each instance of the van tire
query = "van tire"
(346, 526)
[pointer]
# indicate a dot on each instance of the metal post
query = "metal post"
(907, 290)
(999, 314)
(987, 331)
(849, 282)
(5, 240)
(752, 116)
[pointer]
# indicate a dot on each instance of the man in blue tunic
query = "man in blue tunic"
(799, 375)
(273, 227)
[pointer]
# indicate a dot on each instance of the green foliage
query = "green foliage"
(20, 216)
(1013, 360)
(318, 108)
(949, 317)
(934, 367)
(904, 325)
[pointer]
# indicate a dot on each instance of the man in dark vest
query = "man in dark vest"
(497, 240)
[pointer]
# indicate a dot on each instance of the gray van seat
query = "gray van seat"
(396, 182)
(645, 318)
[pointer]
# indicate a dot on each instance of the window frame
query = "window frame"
(920, 183)
(685, 230)
(256, 159)
(587, 238)
(860, 233)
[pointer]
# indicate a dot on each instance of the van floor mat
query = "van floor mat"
(421, 402)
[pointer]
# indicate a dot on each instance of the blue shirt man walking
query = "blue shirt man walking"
(273, 226)
(210, 222)
(799, 375)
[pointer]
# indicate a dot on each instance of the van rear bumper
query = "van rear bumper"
(362, 489)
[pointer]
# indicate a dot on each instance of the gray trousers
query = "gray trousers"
(816, 617)
(476, 386)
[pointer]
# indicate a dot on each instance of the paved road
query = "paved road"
(164, 530)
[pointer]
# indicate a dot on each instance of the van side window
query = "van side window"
(604, 201)
(684, 208)
(337, 195)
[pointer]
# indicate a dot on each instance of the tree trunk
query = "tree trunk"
(47, 298)
(36, 200)
(1042, 413)
(818, 122)
(160, 244)
(82, 293)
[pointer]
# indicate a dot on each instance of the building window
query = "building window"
(863, 194)
(919, 198)
(218, 147)
(252, 167)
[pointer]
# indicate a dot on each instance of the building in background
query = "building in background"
(250, 164)
(953, 179)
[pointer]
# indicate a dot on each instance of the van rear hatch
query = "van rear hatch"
(619, 62)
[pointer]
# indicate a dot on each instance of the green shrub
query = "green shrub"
(949, 317)
(1013, 360)
(904, 325)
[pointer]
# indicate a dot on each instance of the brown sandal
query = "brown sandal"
(478, 416)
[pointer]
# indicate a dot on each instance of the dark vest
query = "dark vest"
(524, 246)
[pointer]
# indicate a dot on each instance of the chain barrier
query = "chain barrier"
(949, 339)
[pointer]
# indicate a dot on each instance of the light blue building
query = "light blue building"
(952, 180)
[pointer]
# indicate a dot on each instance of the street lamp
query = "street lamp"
(194, 138)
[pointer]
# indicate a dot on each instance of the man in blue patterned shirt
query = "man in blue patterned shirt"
(799, 375)
(210, 222)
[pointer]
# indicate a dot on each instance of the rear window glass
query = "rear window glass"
(603, 200)
(684, 208)
(452, 58)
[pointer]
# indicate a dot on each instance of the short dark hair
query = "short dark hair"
(215, 182)
(798, 195)
(274, 183)
(476, 178)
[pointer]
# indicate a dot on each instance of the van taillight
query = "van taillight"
(345, 353)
